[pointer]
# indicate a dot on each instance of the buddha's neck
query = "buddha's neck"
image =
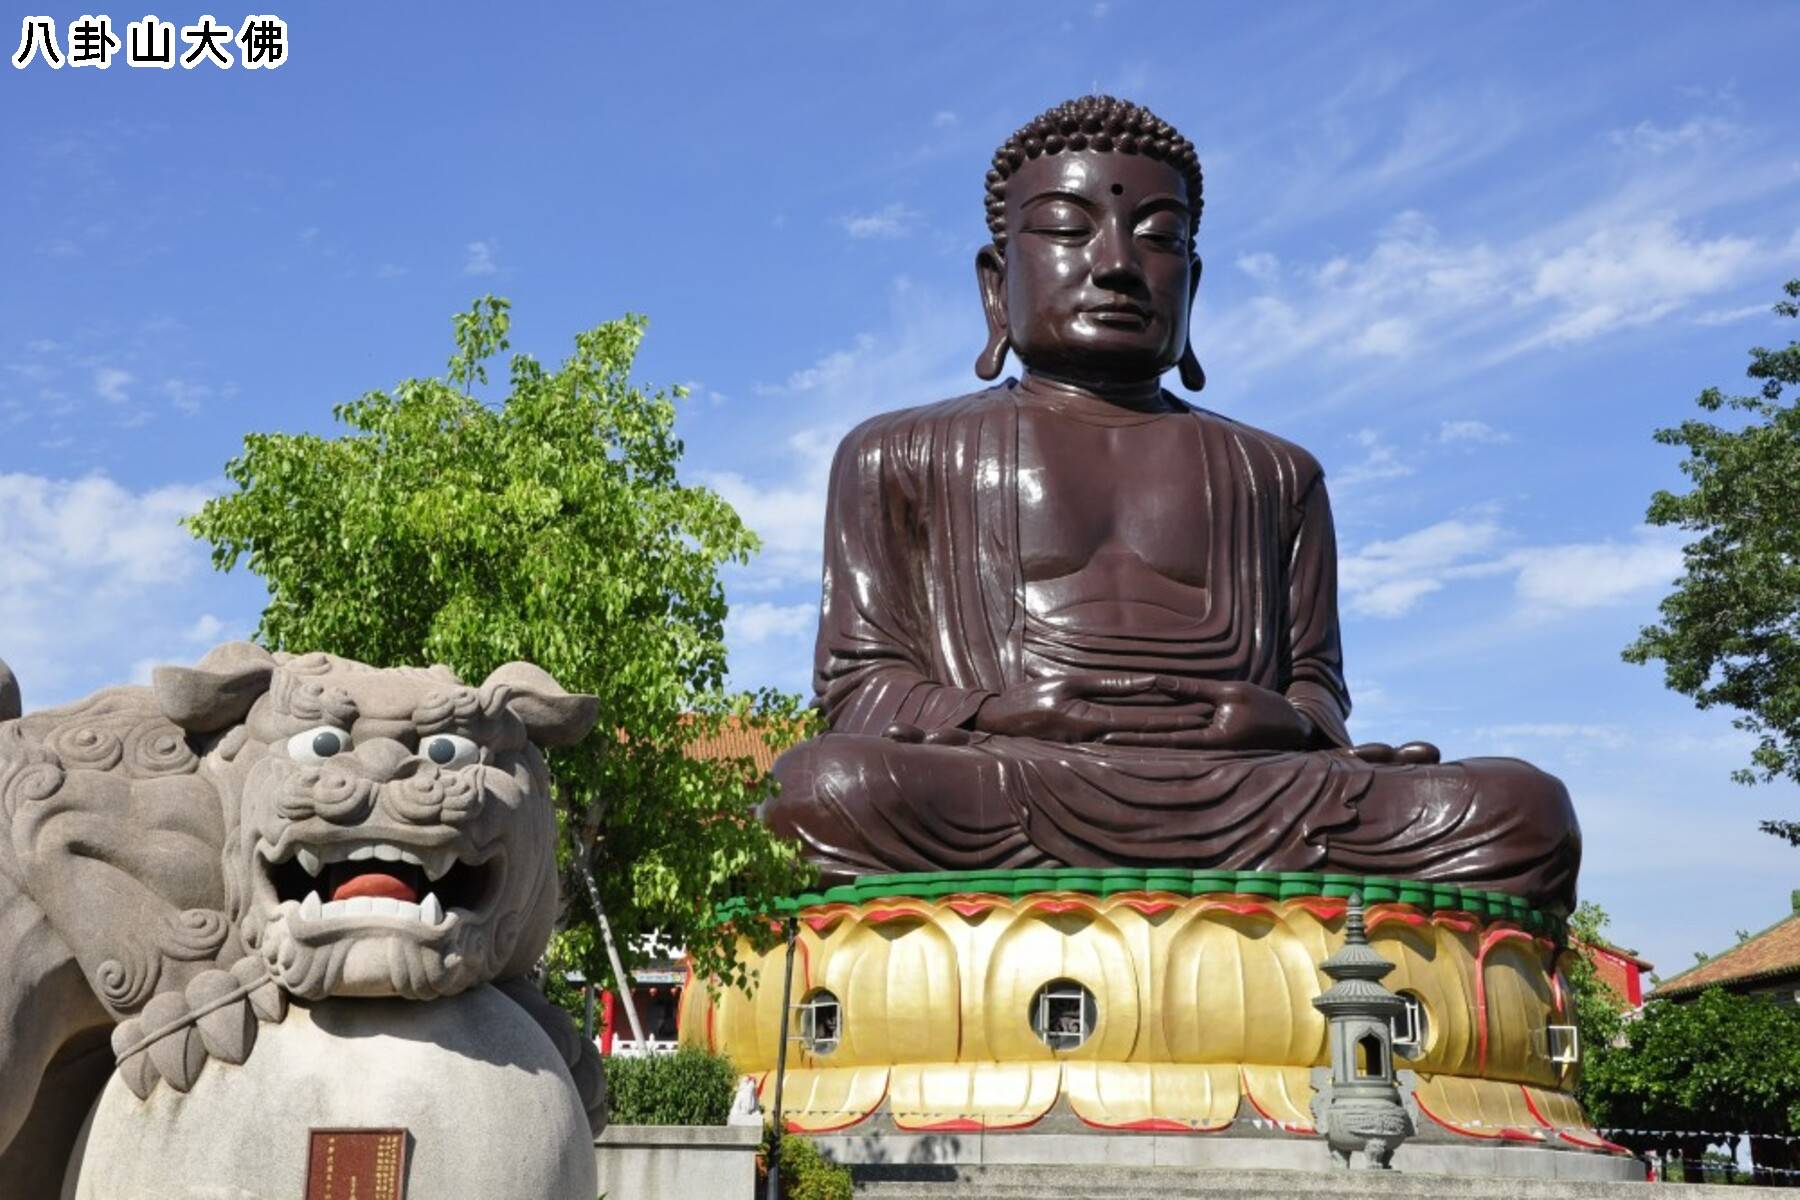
(1140, 396)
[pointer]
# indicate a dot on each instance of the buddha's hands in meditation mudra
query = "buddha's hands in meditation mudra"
(1147, 710)
(1153, 710)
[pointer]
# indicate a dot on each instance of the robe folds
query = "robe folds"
(923, 618)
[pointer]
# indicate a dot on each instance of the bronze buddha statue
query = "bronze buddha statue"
(1074, 620)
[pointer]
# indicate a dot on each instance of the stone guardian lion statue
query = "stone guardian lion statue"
(285, 849)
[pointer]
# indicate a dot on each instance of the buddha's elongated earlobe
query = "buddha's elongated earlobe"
(1192, 377)
(990, 277)
(992, 359)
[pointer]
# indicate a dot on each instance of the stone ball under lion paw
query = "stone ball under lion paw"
(486, 1098)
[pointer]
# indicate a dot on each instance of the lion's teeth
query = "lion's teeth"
(440, 864)
(361, 852)
(430, 911)
(309, 907)
(385, 906)
(360, 906)
(387, 853)
(309, 860)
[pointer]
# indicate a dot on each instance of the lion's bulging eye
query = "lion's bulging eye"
(317, 745)
(449, 750)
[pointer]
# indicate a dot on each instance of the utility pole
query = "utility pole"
(773, 1191)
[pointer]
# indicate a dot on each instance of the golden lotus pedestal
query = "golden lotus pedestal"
(1143, 1002)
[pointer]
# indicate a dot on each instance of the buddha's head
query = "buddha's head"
(1093, 207)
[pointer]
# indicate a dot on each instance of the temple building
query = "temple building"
(660, 976)
(1619, 969)
(1766, 964)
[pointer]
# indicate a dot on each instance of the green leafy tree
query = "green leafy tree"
(549, 526)
(1730, 631)
(1699, 1071)
(1599, 1012)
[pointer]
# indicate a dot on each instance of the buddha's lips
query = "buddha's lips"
(374, 880)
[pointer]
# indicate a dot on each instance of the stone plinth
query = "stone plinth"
(677, 1162)
(1177, 1183)
(490, 1108)
(898, 1157)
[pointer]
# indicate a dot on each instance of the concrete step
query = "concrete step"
(900, 1182)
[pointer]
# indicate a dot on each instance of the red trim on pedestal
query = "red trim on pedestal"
(1154, 1125)
(1288, 1126)
(1325, 908)
(1594, 1143)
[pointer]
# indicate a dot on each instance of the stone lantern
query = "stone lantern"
(1359, 1108)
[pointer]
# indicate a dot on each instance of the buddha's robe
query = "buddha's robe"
(926, 614)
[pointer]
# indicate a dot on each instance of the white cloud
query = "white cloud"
(478, 258)
(750, 624)
(1731, 316)
(1389, 578)
(1556, 579)
(1610, 737)
(1658, 140)
(1452, 432)
(830, 372)
(1262, 266)
(789, 517)
(206, 629)
(1390, 337)
(1393, 597)
(922, 353)
(1417, 299)
(892, 221)
(51, 527)
(944, 119)
(110, 384)
(95, 578)
(1379, 462)
(1633, 274)
(185, 396)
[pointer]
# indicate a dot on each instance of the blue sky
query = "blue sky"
(1471, 256)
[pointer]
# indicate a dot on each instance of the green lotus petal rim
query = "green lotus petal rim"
(1110, 881)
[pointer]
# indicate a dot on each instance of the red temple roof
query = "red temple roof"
(1766, 957)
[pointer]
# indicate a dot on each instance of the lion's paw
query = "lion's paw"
(578, 1053)
(177, 1032)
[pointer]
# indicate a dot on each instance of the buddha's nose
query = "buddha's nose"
(384, 759)
(1115, 257)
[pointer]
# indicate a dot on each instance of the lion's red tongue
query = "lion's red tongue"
(375, 883)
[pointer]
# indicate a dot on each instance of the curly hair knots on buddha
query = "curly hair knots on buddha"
(1103, 123)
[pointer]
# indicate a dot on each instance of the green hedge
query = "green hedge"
(688, 1087)
(808, 1175)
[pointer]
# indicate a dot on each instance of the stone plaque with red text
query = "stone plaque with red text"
(356, 1164)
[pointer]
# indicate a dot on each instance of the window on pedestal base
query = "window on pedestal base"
(1412, 1028)
(1565, 1044)
(821, 1019)
(1063, 1014)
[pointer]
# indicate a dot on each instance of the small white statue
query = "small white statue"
(744, 1108)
